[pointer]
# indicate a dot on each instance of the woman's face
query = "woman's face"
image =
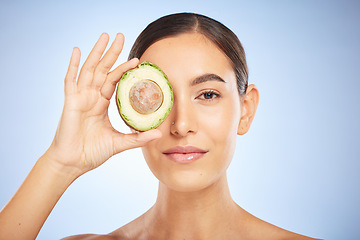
(199, 135)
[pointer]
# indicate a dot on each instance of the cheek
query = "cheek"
(219, 125)
(150, 155)
(220, 122)
(153, 155)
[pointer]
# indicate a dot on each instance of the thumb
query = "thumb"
(124, 142)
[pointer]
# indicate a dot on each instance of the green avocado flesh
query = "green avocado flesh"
(144, 97)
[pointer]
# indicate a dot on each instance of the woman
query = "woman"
(189, 152)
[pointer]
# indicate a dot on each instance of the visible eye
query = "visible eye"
(208, 95)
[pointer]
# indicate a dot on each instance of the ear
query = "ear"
(249, 103)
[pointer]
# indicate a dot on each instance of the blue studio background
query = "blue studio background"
(298, 166)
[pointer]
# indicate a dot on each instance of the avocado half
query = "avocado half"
(144, 97)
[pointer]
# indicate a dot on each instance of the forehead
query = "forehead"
(187, 56)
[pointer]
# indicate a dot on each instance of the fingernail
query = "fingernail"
(104, 34)
(134, 60)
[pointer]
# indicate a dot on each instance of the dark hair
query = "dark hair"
(219, 34)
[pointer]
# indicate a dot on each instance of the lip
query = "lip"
(184, 154)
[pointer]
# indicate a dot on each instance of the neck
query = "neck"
(193, 214)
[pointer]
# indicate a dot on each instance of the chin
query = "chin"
(186, 181)
(192, 179)
(188, 177)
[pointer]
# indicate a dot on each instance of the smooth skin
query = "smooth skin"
(194, 201)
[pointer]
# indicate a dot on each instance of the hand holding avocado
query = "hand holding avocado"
(85, 137)
(83, 141)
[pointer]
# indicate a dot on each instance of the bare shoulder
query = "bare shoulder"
(287, 235)
(130, 231)
(119, 234)
(259, 229)
(274, 232)
(91, 237)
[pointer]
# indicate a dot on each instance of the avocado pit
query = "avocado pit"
(145, 96)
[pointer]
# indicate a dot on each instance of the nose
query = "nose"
(183, 118)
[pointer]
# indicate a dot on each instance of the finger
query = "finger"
(113, 77)
(108, 61)
(124, 142)
(70, 78)
(87, 70)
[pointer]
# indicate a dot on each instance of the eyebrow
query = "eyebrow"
(206, 77)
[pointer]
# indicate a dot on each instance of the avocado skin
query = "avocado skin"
(130, 122)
